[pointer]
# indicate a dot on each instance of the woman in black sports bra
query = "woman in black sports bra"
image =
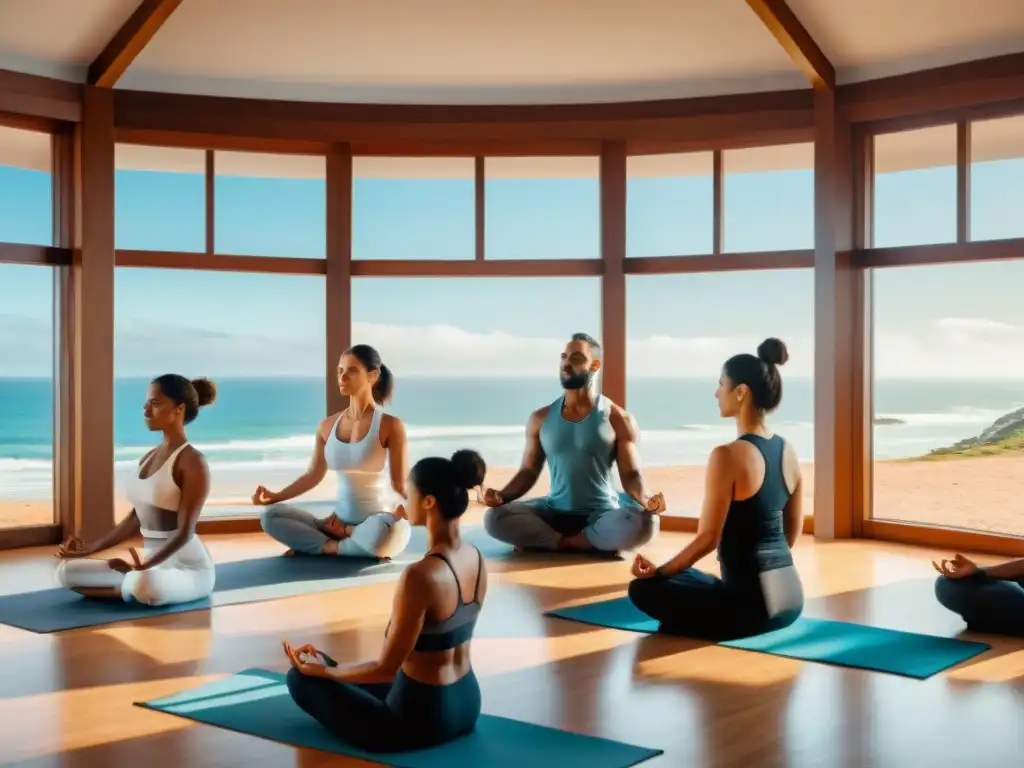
(752, 514)
(422, 690)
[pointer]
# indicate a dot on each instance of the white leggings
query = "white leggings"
(180, 579)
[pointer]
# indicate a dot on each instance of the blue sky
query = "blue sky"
(944, 321)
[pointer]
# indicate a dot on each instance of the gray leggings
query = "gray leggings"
(380, 535)
(535, 525)
(986, 604)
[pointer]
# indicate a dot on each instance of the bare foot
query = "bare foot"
(289, 553)
(383, 559)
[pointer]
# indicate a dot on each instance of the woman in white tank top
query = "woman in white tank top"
(367, 451)
(167, 493)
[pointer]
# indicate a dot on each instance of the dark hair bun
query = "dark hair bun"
(206, 390)
(469, 468)
(773, 351)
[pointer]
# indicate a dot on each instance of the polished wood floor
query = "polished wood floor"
(66, 699)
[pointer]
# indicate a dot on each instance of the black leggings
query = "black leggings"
(986, 604)
(696, 604)
(389, 717)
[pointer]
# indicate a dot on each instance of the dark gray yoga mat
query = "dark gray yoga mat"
(245, 581)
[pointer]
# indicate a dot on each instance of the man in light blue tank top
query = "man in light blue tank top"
(580, 435)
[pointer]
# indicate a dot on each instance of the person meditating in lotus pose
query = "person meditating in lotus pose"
(357, 444)
(989, 599)
(422, 690)
(582, 434)
(753, 514)
(167, 493)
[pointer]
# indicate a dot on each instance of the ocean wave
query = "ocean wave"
(956, 416)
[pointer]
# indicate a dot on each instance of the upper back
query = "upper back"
(753, 536)
(459, 581)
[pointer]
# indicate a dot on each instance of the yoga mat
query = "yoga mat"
(256, 702)
(245, 581)
(830, 642)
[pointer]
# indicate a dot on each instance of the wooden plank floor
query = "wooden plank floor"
(66, 699)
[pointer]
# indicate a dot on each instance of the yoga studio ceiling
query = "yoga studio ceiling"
(498, 51)
(505, 51)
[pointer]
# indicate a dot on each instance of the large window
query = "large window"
(473, 358)
(414, 208)
(949, 396)
(915, 187)
(159, 198)
(26, 395)
(669, 204)
(542, 208)
(769, 198)
(26, 206)
(997, 178)
(270, 205)
(682, 328)
(260, 337)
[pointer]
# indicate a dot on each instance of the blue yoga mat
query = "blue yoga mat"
(830, 642)
(256, 702)
(245, 581)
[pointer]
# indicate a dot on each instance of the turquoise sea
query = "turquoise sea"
(261, 430)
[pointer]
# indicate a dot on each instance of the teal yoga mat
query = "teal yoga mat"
(256, 702)
(244, 581)
(830, 642)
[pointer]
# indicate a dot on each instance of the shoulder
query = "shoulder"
(323, 430)
(538, 416)
(723, 457)
(191, 459)
(421, 577)
(391, 427)
(622, 421)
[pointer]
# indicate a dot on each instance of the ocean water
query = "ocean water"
(261, 430)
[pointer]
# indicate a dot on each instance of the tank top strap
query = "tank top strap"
(772, 450)
(378, 416)
(446, 561)
(169, 464)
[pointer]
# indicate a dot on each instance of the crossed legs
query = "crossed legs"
(534, 525)
(986, 604)
(382, 535)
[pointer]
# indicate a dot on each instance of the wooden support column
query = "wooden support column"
(64, 436)
(92, 358)
(963, 181)
(838, 312)
(338, 282)
(613, 281)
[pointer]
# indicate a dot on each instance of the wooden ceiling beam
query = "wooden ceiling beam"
(128, 42)
(805, 53)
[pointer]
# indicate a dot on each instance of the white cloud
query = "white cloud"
(945, 348)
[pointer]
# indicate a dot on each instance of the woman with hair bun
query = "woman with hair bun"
(363, 446)
(167, 493)
(752, 514)
(421, 691)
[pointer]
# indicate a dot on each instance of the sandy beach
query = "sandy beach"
(981, 494)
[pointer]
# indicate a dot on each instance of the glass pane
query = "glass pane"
(270, 205)
(542, 208)
(470, 363)
(268, 366)
(681, 331)
(159, 198)
(769, 198)
(414, 208)
(949, 396)
(26, 396)
(26, 199)
(915, 187)
(670, 204)
(997, 178)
